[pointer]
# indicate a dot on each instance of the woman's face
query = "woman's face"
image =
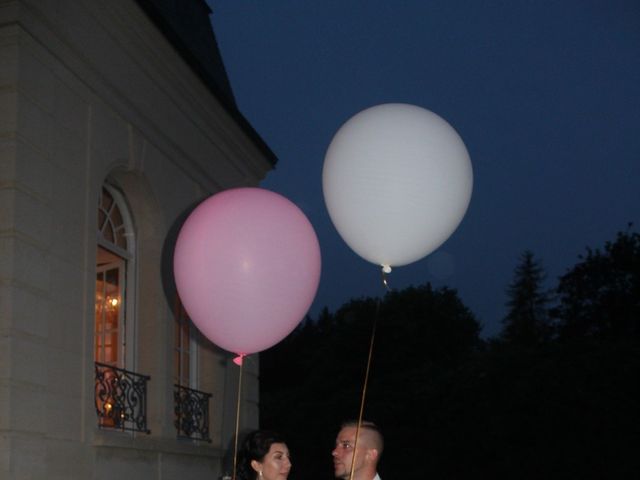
(275, 465)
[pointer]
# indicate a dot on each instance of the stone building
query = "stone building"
(116, 119)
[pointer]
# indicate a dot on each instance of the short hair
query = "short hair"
(377, 436)
(254, 447)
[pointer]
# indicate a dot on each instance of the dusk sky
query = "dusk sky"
(545, 95)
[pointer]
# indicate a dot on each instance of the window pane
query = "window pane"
(108, 232)
(106, 200)
(108, 315)
(185, 368)
(182, 339)
(176, 334)
(116, 218)
(121, 239)
(111, 222)
(99, 350)
(185, 334)
(176, 363)
(102, 217)
(111, 348)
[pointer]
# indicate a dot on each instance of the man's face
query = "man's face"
(343, 452)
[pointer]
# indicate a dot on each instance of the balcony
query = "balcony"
(121, 399)
(191, 409)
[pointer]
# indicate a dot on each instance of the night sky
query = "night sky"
(545, 95)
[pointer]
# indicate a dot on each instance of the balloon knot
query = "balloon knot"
(238, 360)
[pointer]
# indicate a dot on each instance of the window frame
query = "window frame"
(182, 322)
(128, 333)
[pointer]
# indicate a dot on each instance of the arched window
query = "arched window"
(114, 267)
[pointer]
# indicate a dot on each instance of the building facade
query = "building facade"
(113, 127)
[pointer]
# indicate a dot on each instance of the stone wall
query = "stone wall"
(90, 91)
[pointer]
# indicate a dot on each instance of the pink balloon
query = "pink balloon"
(247, 268)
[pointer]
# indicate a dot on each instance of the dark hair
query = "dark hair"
(254, 447)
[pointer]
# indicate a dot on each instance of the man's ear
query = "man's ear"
(372, 453)
(256, 465)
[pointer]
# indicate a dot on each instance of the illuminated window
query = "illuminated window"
(114, 264)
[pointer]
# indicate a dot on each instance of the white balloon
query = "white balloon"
(397, 181)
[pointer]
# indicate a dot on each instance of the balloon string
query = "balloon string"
(235, 443)
(364, 388)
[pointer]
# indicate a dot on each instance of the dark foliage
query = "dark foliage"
(454, 407)
(313, 380)
(527, 322)
(600, 296)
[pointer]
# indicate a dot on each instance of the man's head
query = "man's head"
(367, 451)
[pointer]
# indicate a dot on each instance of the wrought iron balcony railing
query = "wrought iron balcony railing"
(121, 398)
(191, 408)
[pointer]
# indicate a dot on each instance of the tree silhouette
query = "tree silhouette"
(600, 296)
(453, 406)
(527, 321)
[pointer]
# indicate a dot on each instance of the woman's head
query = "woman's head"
(263, 456)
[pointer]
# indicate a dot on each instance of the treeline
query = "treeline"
(555, 394)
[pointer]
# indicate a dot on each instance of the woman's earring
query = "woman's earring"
(260, 473)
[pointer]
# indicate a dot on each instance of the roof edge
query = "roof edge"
(224, 97)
